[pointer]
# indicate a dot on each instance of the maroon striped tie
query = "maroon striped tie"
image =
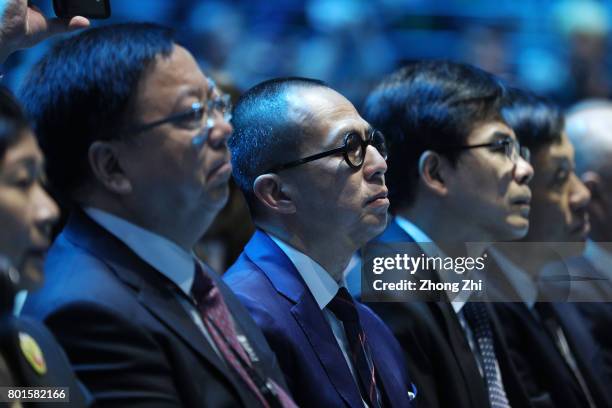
(343, 306)
(220, 325)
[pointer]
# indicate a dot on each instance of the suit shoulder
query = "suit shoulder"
(76, 277)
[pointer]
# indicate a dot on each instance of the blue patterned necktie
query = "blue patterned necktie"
(476, 315)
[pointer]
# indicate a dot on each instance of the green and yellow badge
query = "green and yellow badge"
(32, 353)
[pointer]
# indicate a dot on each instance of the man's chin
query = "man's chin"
(374, 224)
(216, 197)
(517, 228)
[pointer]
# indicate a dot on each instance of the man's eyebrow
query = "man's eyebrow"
(500, 135)
(191, 92)
(563, 160)
(345, 130)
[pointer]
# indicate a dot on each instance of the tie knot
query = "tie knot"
(203, 286)
(343, 306)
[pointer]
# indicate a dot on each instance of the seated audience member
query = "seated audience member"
(589, 126)
(135, 139)
(29, 355)
(456, 175)
(313, 172)
(544, 337)
(23, 25)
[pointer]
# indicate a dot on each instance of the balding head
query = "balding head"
(267, 128)
(589, 126)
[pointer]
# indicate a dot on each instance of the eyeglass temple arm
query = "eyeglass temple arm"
(468, 146)
(307, 159)
(170, 119)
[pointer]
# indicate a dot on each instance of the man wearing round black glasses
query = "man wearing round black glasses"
(313, 172)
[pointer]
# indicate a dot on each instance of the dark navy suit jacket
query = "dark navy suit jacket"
(437, 353)
(128, 337)
(268, 284)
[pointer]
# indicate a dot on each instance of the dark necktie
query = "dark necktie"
(217, 319)
(548, 317)
(343, 307)
(476, 315)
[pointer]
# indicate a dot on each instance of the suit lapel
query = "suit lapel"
(449, 323)
(282, 273)
(462, 352)
(153, 290)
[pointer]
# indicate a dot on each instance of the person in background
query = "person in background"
(134, 136)
(545, 333)
(29, 355)
(588, 126)
(312, 171)
(456, 174)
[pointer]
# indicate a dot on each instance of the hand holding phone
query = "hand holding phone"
(95, 9)
(23, 25)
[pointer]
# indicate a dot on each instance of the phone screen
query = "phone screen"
(97, 9)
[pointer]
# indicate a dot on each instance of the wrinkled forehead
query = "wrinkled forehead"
(325, 115)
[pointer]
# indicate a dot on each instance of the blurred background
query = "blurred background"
(555, 48)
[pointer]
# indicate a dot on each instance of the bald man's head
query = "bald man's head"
(589, 126)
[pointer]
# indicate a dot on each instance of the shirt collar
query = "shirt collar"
(162, 254)
(519, 278)
(600, 256)
(432, 250)
(320, 283)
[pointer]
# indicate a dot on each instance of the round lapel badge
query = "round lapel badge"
(32, 353)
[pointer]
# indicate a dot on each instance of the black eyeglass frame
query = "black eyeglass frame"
(344, 149)
(523, 151)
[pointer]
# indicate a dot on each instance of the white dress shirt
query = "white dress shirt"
(162, 254)
(323, 288)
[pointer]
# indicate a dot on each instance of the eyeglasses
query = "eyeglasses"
(511, 147)
(220, 104)
(353, 150)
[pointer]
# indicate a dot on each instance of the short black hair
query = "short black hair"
(264, 136)
(429, 105)
(536, 120)
(82, 91)
(13, 121)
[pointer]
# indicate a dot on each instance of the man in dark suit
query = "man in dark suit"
(313, 173)
(553, 336)
(588, 126)
(456, 175)
(135, 139)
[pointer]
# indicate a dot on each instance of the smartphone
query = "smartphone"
(95, 9)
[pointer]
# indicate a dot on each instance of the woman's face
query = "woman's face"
(27, 213)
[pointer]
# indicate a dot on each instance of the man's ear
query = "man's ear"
(272, 193)
(104, 163)
(431, 172)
